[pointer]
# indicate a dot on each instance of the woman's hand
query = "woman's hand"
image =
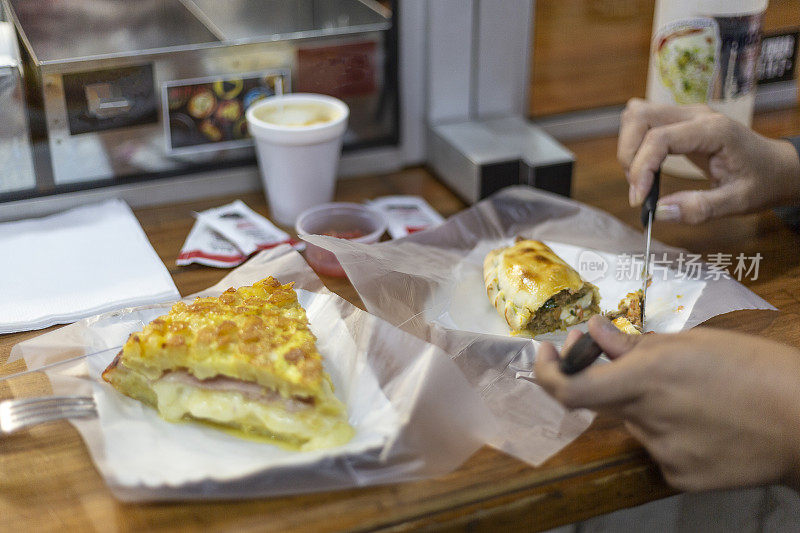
(747, 171)
(715, 409)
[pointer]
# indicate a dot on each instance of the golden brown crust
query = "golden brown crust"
(522, 278)
(111, 367)
(625, 326)
(257, 333)
(629, 311)
(532, 267)
(245, 360)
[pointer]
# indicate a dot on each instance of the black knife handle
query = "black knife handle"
(651, 200)
(580, 355)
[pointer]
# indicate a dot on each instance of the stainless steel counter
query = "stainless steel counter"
(110, 84)
(70, 30)
(253, 20)
(77, 30)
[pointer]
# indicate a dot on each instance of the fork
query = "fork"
(25, 412)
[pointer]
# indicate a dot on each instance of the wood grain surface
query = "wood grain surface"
(48, 483)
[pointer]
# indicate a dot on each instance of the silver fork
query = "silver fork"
(25, 412)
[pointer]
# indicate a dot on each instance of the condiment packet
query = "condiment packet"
(406, 214)
(208, 247)
(226, 236)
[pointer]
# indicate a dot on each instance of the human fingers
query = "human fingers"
(597, 387)
(572, 337)
(546, 367)
(695, 207)
(613, 342)
(639, 116)
(548, 352)
(696, 136)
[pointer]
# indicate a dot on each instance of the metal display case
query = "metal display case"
(119, 91)
(16, 156)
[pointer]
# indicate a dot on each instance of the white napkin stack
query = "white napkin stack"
(75, 264)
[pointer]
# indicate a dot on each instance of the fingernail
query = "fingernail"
(668, 213)
(632, 196)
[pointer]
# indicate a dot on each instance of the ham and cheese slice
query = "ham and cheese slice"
(246, 360)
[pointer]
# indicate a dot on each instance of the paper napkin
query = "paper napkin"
(87, 260)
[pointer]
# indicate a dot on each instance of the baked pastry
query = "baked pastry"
(535, 291)
(626, 326)
(628, 316)
(245, 360)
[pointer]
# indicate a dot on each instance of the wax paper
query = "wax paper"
(414, 413)
(431, 285)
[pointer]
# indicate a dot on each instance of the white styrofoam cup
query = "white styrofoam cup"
(298, 163)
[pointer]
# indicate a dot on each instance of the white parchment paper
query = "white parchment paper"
(462, 304)
(431, 285)
(414, 413)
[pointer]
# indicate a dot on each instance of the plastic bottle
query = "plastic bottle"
(705, 51)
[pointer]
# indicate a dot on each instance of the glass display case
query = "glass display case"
(120, 92)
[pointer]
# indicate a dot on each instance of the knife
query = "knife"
(648, 211)
(580, 355)
(586, 350)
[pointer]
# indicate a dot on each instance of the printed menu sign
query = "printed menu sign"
(209, 113)
(342, 70)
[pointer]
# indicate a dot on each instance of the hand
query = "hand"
(715, 409)
(747, 171)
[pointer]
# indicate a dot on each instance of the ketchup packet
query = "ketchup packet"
(406, 214)
(226, 236)
(207, 247)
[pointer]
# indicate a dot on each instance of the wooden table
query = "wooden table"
(47, 480)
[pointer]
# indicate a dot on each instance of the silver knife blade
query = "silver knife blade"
(646, 268)
(647, 215)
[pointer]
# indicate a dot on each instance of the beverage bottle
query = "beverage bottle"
(705, 51)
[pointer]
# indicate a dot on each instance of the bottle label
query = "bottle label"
(707, 59)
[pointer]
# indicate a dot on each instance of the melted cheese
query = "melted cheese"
(529, 273)
(246, 360)
(305, 429)
(625, 326)
(521, 278)
(570, 314)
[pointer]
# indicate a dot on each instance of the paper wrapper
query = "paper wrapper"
(431, 285)
(414, 413)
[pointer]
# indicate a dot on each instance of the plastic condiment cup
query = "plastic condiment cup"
(298, 140)
(354, 222)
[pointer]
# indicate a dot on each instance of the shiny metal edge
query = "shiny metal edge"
(289, 36)
(377, 7)
(12, 17)
(192, 186)
(193, 9)
(295, 36)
